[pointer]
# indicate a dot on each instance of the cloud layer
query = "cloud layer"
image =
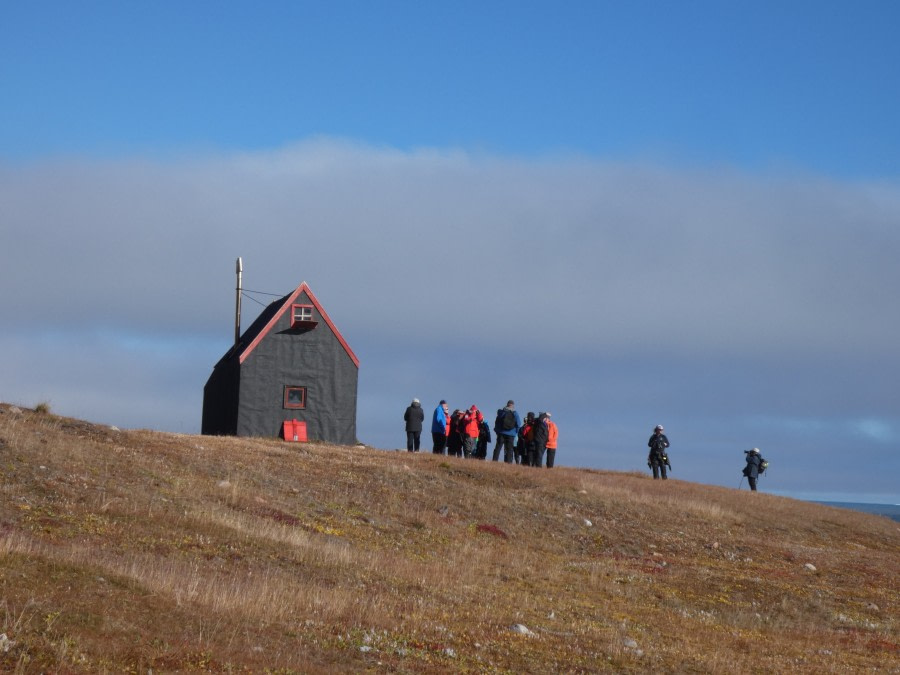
(615, 294)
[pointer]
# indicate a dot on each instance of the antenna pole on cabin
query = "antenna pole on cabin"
(239, 269)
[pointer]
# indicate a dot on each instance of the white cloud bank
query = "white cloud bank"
(632, 291)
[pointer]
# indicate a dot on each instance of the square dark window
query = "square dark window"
(294, 397)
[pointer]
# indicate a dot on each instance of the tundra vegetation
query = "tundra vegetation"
(140, 551)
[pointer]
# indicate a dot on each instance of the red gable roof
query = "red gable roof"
(286, 303)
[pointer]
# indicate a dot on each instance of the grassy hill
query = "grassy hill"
(139, 551)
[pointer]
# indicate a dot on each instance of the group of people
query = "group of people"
(466, 433)
(658, 459)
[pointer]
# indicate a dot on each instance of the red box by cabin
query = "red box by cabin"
(295, 430)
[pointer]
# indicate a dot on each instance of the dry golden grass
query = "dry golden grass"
(141, 551)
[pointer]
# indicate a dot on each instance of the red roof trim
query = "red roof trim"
(331, 325)
(285, 307)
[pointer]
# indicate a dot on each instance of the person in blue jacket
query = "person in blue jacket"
(440, 422)
(506, 427)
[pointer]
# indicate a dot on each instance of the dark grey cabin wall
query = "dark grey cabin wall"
(220, 400)
(314, 359)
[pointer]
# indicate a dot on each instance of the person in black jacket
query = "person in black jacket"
(658, 458)
(414, 416)
(539, 437)
(484, 438)
(454, 438)
(755, 466)
(524, 443)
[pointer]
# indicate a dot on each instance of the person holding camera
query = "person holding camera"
(658, 458)
(755, 466)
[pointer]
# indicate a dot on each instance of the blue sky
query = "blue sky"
(625, 213)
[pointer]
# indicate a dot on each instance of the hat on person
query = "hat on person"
(659, 427)
(443, 402)
(755, 451)
(548, 414)
(415, 400)
(510, 402)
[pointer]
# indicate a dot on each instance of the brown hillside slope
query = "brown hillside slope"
(137, 551)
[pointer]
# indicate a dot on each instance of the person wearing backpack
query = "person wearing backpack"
(525, 441)
(440, 428)
(756, 465)
(657, 459)
(506, 426)
(540, 434)
(552, 438)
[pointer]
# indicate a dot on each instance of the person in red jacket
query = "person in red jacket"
(552, 437)
(472, 428)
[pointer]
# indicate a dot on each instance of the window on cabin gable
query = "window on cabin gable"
(301, 313)
(294, 397)
(302, 317)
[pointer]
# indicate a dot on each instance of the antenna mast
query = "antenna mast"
(239, 269)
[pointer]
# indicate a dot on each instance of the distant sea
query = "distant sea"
(892, 511)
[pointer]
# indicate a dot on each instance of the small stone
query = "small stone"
(715, 545)
(588, 523)
(630, 643)
(521, 629)
(224, 484)
(5, 643)
(872, 607)
(810, 567)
